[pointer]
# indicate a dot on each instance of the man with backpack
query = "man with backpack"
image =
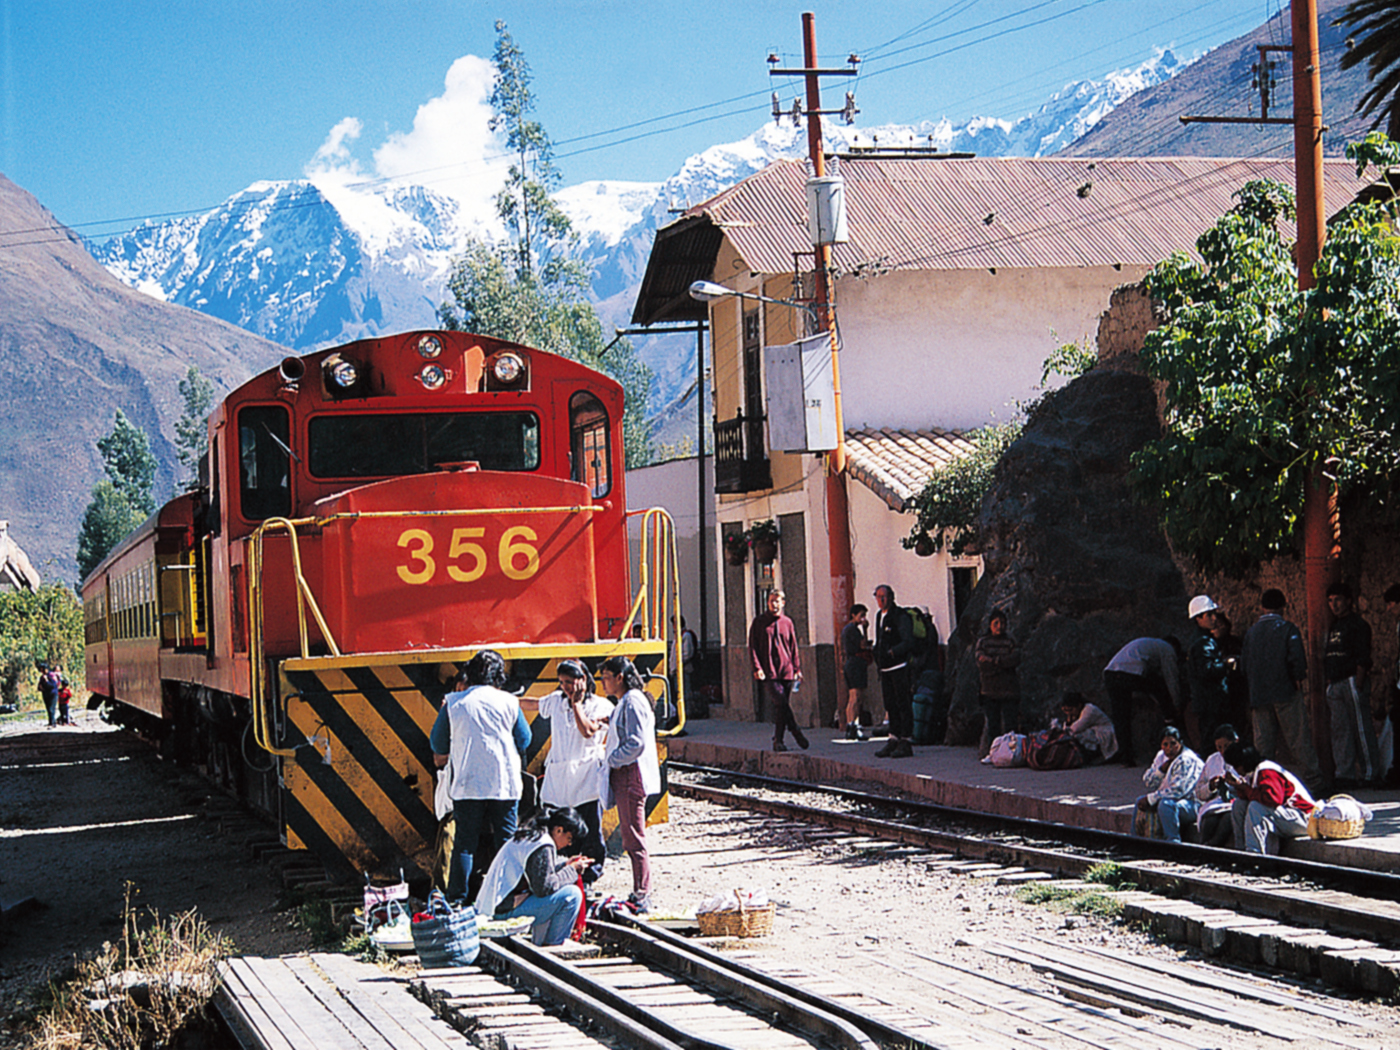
(894, 646)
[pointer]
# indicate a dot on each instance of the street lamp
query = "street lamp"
(708, 292)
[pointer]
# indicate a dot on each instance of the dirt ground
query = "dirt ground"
(85, 810)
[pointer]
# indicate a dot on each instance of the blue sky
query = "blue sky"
(123, 109)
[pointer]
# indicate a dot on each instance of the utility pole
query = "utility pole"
(837, 510)
(1318, 563)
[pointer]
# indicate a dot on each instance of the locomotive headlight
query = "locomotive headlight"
(429, 347)
(432, 376)
(344, 374)
(508, 368)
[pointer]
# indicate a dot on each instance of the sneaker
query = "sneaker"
(803, 742)
(888, 749)
(778, 745)
(641, 904)
(902, 749)
(852, 733)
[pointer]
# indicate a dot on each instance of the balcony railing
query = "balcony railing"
(741, 457)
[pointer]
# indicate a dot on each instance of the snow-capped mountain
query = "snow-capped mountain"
(315, 263)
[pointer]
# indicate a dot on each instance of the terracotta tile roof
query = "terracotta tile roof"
(896, 464)
(970, 213)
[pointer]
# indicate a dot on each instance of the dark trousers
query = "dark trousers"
(1121, 687)
(472, 817)
(895, 689)
(1000, 715)
(780, 692)
(592, 844)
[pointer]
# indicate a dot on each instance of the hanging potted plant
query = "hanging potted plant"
(736, 548)
(763, 538)
(924, 546)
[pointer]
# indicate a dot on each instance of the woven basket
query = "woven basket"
(1328, 828)
(738, 922)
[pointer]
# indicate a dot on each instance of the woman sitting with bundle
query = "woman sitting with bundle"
(529, 878)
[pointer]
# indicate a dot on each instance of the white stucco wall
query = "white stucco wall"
(876, 532)
(959, 348)
(674, 486)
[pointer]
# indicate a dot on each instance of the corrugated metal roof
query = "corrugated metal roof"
(972, 213)
(896, 464)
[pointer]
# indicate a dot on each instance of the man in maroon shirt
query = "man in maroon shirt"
(778, 664)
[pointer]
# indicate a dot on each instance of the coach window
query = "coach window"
(589, 444)
(264, 462)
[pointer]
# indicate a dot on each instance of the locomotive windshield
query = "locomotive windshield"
(385, 445)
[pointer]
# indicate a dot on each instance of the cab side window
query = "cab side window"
(264, 462)
(590, 443)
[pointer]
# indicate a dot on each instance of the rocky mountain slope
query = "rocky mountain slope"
(75, 345)
(1222, 84)
(311, 264)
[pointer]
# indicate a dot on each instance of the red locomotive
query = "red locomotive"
(370, 517)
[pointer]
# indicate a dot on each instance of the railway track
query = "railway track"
(1344, 903)
(653, 990)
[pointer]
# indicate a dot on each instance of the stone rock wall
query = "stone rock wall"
(1082, 568)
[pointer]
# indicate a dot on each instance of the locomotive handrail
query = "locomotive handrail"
(255, 633)
(305, 597)
(663, 602)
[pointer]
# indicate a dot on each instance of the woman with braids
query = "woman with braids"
(528, 877)
(633, 772)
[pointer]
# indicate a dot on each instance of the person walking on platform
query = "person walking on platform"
(482, 733)
(575, 768)
(1346, 664)
(1145, 665)
(1207, 671)
(1276, 667)
(894, 643)
(777, 663)
(1171, 785)
(855, 668)
(633, 769)
(999, 692)
(1270, 802)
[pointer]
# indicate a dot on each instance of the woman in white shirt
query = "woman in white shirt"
(577, 764)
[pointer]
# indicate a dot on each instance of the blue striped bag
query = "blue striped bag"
(445, 936)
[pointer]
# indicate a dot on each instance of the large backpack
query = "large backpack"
(1053, 749)
(925, 638)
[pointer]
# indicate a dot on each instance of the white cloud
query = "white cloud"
(450, 148)
(335, 151)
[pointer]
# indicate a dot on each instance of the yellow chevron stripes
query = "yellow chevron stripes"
(373, 802)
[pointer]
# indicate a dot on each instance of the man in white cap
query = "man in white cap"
(1207, 672)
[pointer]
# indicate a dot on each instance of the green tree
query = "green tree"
(532, 288)
(1379, 48)
(535, 224)
(950, 503)
(108, 518)
(1266, 382)
(47, 626)
(191, 429)
(129, 463)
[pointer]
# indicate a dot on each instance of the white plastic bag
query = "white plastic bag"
(442, 795)
(1008, 750)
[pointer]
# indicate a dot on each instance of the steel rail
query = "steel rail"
(885, 1034)
(563, 989)
(1313, 911)
(767, 996)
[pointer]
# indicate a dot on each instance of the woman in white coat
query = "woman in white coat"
(576, 769)
(633, 770)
